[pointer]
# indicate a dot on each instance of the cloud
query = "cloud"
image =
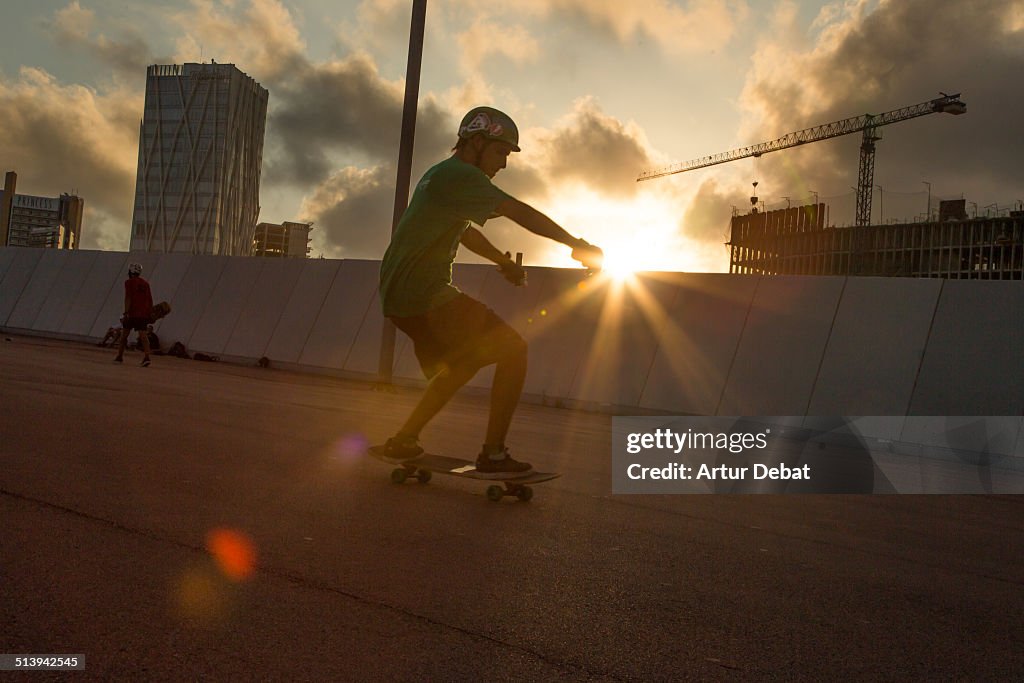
(345, 107)
(700, 25)
(478, 43)
(262, 39)
(595, 149)
(352, 210)
(856, 61)
(382, 26)
(63, 138)
(73, 27)
(510, 29)
(709, 213)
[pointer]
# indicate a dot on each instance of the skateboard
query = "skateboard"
(160, 310)
(424, 466)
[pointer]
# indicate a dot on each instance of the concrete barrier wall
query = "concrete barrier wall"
(224, 306)
(300, 313)
(264, 307)
(188, 303)
(37, 289)
(107, 270)
(22, 264)
(698, 343)
(874, 352)
(975, 351)
(342, 336)
(65, 286)
(782, 346)
(683, 343)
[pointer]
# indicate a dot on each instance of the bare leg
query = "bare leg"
(510, 354)
(438, 393)
(509, 377)
(144, 338)
(121, 343)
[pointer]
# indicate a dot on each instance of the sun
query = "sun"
(621, 262)
(636, 233)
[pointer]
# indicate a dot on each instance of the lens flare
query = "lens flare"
(233, 552)
(350, 447)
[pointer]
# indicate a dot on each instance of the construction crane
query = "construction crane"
(868, 123)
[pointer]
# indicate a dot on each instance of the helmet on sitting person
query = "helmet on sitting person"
(492, 124)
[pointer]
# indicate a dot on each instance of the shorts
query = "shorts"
(462, 332)
(137, 324)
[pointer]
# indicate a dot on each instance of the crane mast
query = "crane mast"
(868, 124)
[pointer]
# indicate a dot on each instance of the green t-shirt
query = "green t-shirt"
(416, 273)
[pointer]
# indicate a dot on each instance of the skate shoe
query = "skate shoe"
(399, 449)
(500, 465)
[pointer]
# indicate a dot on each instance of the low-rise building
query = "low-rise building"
(287, 240)
(32, 221)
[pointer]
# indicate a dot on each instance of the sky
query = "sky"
(601, 91)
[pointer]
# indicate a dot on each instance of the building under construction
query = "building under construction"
(796, 241)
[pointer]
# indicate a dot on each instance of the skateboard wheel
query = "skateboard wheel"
(423, 476)
(398, 475)
(524, 494)
(495, 493)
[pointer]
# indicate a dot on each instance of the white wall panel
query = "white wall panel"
(104, 275)
(165, 278)
(561, 330)
(225, 305)
(782, 346)
(974, 364)
(6, 258)
(264, 307)
(874, 350)
(68, 283)
(350, 305)
(17, 278)
(697, 345)
(617, 361)
(113, 307)
(190, 299)
(301, 311)
(36, 291)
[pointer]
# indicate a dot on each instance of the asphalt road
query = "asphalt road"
(115, 481)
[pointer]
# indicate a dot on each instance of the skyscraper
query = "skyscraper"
(200, 157)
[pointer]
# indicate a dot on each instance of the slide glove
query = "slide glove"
(512, 271)
(590, 256)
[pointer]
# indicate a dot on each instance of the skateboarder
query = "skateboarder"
(138, 312)
(453, 334)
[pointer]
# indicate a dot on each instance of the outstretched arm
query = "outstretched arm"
(539, 224)
(475, 241)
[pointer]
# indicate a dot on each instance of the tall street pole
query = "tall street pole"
(412, 92)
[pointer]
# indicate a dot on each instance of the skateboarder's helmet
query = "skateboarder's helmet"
(492, 124)
(134, 269)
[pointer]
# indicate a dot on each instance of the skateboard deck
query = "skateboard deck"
(422, 467)
(160, 310)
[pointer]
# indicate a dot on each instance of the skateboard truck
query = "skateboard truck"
(495, 493)
(422, 468)
(521, 491)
